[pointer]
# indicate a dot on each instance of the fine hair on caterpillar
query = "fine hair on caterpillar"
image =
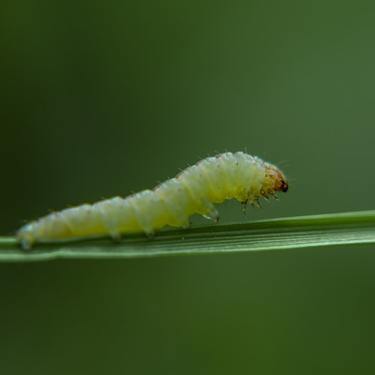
(194, 190)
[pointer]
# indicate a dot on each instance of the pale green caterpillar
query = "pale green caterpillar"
(194, 191)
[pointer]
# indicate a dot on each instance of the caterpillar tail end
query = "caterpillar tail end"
(25, 237)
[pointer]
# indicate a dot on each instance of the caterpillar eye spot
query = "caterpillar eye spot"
(284, 186)
(194, 190)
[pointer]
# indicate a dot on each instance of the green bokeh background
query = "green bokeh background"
(106, 98)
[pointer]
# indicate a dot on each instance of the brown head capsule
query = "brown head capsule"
(274, 180)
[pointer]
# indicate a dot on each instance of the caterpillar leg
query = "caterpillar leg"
(113, 231)
(212, 213)
(115, 236)
(256, 203)
(109, 217)
(244, 206)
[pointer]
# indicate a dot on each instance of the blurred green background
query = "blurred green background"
(106, 98)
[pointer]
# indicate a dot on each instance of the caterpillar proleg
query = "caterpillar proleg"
(195, 190)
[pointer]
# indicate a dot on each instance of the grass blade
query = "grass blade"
(274, 234)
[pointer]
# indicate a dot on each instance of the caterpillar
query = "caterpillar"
(195, 190)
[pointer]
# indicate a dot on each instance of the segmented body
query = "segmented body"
(194, 191)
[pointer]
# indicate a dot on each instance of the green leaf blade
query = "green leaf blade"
(275, 234)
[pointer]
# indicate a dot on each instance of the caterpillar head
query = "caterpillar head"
(274, 180)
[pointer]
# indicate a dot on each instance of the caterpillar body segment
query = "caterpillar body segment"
(195, 190)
